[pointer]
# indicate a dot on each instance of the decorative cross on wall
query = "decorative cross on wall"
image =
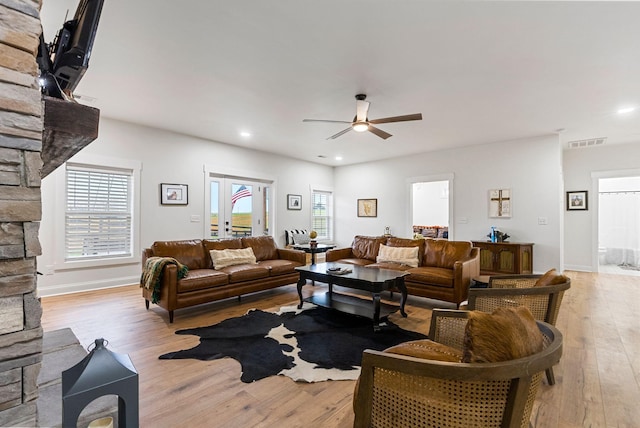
(500, 203)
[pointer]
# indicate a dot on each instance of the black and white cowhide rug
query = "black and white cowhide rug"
(311, 345)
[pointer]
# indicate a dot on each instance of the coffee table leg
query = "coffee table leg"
(403, 292)
(302, 281)
(376, 311)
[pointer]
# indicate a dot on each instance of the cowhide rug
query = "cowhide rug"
(313, 344)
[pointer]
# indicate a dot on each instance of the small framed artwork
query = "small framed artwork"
(367, 208)
(294, 202)
(174, 194)
(577, 200)
(500, 203)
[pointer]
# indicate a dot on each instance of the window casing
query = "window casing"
(322, 214)
(98, 213)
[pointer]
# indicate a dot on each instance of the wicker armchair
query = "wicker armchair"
(519, 290)
(400, 391)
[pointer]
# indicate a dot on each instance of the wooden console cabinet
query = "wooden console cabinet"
(505, 257)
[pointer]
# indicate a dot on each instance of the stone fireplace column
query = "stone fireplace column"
(21, 124)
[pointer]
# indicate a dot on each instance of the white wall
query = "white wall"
(531, 168)
(171, 158)
(581, 167)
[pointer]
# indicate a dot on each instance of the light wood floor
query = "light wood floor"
(597, 379)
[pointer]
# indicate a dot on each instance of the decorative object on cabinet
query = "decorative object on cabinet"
(500, 203)
(577, 200)
(503, 258)
(294, 202)
(367, 208)
(174, 194)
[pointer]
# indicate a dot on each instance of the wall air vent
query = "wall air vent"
(578, 144)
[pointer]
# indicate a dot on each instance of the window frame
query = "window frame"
(98, 163)
(329, 217)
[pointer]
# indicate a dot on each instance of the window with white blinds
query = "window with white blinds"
(321, 214)
(98, 214)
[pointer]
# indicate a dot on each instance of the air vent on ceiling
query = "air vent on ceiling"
(578, 144)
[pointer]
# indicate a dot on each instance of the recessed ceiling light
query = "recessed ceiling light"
(626, 110)
(245, 134)
(338, 158)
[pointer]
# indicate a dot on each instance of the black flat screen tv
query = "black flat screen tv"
(67, 58)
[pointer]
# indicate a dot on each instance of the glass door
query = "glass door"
(239, 207)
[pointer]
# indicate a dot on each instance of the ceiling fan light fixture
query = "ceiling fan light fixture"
(360, 126)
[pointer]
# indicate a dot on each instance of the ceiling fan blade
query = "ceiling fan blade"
(323, 120)
(362, 109)
(379, 132)
(344, 131)
(405, 118)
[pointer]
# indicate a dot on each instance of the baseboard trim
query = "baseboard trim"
(56, 290)
(579, 268)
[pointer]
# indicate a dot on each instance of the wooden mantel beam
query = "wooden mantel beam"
(68, 128)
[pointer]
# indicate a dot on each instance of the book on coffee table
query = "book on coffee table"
(338, 271)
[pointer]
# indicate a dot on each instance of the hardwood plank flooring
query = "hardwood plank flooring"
(597, 380)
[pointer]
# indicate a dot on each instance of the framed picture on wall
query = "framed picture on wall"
(174, 194)
(577, 200)
(500, 203)
(367, 208)
(294, 202)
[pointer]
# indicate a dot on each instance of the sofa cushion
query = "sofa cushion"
(264, 247)
(359, 262)
(279, 267)
(240, 273)
(505, 334)
(405, 242)
(188, 252)
(230, 257)
(199, 279)
(402, 255)
(441, 277)
(444, 254)
(427, 349)
(366, 247)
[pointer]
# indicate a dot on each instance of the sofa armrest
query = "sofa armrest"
(338, 253)
(463, 271)
(292, 255)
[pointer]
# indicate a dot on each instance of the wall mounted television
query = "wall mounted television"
(64, 61)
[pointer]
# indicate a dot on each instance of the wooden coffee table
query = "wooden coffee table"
(372, 280)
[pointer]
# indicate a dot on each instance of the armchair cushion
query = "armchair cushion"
(505, 334)
(551, 277)
(427, 349)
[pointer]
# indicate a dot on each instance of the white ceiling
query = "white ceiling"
(479, 72)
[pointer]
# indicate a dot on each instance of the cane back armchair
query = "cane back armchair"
(520, 290)
(402, 391)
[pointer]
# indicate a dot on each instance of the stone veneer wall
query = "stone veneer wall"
(21, 124)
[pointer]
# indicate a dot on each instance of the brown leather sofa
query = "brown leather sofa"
(445, 267)
(203, 284)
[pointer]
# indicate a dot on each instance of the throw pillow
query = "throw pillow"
(403, 255)
(505, 334)
(300, 238)
(428, 350)
(551, 277)
(224, 258)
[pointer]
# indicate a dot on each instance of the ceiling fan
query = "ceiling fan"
(362, 123)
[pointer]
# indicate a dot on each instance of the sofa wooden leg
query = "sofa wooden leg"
(146, 304)
(170, 317)
(239, 298)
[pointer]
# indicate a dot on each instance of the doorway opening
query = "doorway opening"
(619, 225)
(431, 207)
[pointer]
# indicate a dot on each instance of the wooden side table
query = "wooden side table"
(313, 250)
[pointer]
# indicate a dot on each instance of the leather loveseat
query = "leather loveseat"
(444, 268)
(203, 283)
